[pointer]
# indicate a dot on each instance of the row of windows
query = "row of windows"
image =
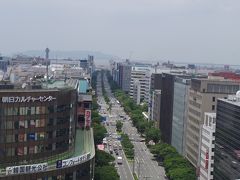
(14, 111)
(27, 150)
(220, 88)
(37, 123)
(25, 124)
(11, 111)
(36, 136)
(25, 137)
(196, 113)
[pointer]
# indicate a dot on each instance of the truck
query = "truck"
(119, 160)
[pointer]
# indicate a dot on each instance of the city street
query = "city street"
(144, 165)
(123, 169)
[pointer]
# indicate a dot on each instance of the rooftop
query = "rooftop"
(232, 99)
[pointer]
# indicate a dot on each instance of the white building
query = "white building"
(207, 146)
(136, 91)
(144, 77)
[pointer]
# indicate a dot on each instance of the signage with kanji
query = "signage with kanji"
(33, 168)
(22, 99)
(72, 161)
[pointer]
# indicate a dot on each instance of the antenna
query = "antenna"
(47, 61)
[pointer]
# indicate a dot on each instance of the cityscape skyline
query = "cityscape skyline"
(179, 31)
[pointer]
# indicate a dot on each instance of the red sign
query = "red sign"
(87, 118)
(206, 160)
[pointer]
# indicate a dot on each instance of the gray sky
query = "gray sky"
(176, 30)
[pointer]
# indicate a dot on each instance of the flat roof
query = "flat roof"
(232, 99)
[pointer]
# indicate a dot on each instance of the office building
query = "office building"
(227, 143)
(41, 133)
(166, 107)
(156, 106)
(155, 84)
(124, 76)
(203, 95)
(136, 91)
(39, 138)
(4, 62)
(207, 146)
(179, 118)
(143, 77)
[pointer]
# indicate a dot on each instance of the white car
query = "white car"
(119, 160)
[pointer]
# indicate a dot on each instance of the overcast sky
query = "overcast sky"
(176, 30)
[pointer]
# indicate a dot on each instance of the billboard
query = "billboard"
(87, 118)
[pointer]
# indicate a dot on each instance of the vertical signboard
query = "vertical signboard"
(206, 160)
(87, 118)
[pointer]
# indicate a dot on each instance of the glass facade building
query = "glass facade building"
(38, 134)
(227, 144)
(181, 87)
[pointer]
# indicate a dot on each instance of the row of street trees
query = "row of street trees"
(176, 166)
(135, 112)
(104, 169)
(127, 146)
(106, 98)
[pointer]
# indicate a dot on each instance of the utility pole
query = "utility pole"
(133, 165)
(138, 169)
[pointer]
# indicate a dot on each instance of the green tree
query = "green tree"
(181, 173)
(102, 158)
(119, 126)
(99, 133)
(141, 126)
(153, 134)
(105, 173)
(145, 107)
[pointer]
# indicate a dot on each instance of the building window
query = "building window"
(213, 107)
(213, 99)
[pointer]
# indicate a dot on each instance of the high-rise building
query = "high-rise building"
(154, 85)
(143, 76)
(38, 134)
(136, 91)
(166, 107)
(4, 62)
(207, 146)
(156, 106)
(124, 76)
(227, 143)
(203, 95)
(179, 118)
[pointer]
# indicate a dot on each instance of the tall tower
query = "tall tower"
(47, 60)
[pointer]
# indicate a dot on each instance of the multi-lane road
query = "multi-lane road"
(123, 169)
(144, 165)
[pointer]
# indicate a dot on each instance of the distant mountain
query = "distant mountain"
(70, 54)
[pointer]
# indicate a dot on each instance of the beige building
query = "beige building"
(203, 95)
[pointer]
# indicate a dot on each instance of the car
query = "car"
(160, 163)
(119, 160)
